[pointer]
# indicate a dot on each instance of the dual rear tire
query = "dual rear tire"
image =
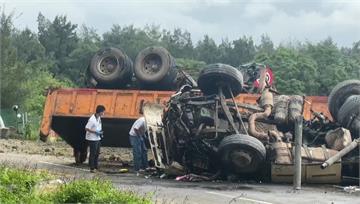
(155, 68)
(344, 105)
(241, 153)
(110, 67)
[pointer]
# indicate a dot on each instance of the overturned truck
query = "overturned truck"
(217, 129)
(122, 86)
(206, 131)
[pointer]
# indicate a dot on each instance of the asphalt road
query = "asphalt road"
(165, 191)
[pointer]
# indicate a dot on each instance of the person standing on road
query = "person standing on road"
(137, 141)
(94, 135)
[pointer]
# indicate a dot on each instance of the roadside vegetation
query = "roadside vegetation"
(18, 186)
(94, 191)
(30, 186)
(58, 53)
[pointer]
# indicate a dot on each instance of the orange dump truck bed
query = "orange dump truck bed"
(67, 111)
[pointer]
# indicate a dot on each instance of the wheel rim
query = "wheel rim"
(151, 64)
(241, 158)
(108, 65)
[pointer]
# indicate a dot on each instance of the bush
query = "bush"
(17, 186)
(95, 191)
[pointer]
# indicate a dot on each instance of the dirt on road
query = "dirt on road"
(60, 148)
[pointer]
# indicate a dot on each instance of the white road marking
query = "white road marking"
(64, 166)
(238, 198)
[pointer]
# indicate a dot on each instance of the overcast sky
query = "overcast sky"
(282, 20)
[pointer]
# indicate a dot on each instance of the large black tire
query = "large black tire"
(215, 75)
(349, 115)
(241, 153)
(155, 65)
(111, 66)
(340, 93)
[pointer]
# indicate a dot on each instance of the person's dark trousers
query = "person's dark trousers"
(144, 159)
(139, 152)
(94, 154)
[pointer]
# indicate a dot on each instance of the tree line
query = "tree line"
(58, 54)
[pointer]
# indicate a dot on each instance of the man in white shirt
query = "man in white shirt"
(94, 134)
(137, 140)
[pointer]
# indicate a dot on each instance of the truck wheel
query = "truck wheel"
(215, 75)
(154, 64)
(349, 114)
(241, 153)
(111, 66)
(340, 93)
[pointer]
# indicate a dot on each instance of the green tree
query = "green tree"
(23, 64)
(295, 73)
(266, 46)
(12, 71)
(59, 39)
(225, 49)
(207, 50)
(243, 51)
(129, 39)
(78, 60)
(331, 64)
(28, 47)
(353, 61)
(153, 32)
(178, 43)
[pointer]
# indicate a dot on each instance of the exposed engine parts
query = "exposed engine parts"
(206, 132)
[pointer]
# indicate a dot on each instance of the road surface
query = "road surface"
(171, 191)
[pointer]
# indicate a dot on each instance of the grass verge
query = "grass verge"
(21, 186)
